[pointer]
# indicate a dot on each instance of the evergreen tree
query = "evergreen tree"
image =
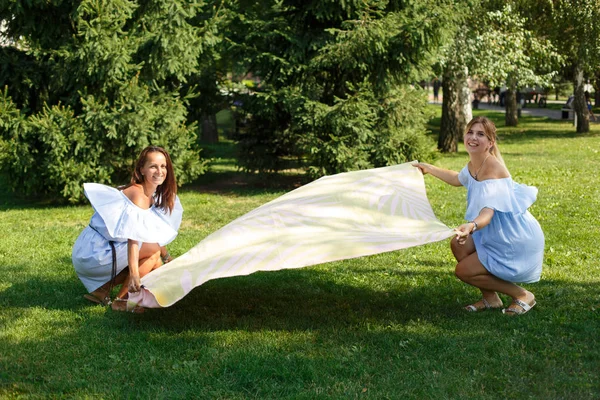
(336, 77)
(87, 84)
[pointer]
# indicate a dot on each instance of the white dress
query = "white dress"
(118, 219)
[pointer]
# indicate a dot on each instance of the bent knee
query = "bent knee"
(151, 262)
(454, 246)
(461, 271)
(462, 251)
(155, 257)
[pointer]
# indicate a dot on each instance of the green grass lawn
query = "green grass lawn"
(388, 326)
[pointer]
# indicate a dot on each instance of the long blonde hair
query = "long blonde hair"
(490, 132)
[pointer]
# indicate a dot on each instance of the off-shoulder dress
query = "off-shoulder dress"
(511, 247)
(117, 219)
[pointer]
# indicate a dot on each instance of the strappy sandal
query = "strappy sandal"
(124, 305)
(95, 299)
(486, 306)
(515, 311)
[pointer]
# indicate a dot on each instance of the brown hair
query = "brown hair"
(164, 197)
(490, 132)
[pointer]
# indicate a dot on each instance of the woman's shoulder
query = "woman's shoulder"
(135, 193)
(495, 170)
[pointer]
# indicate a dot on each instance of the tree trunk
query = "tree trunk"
(465, 99)
(597, 90)
(579, 103)
(210, 133)
(453, 110)
(512, 112)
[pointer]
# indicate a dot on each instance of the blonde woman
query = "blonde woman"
(502, 243)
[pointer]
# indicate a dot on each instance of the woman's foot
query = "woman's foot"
(98, 296)
(124, 306)
(521, 304)
(485, 304)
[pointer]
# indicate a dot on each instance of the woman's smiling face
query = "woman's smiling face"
(476, 140)
(155, 168)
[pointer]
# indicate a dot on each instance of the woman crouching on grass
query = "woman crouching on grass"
(502, 242)
(129, 230)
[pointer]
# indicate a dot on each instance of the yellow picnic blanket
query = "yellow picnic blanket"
(336, 217)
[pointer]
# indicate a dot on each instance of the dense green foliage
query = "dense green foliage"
(335, 76)
(88, 84)
(388, 326)
(494, 44)
(573, 28)
(504, 50)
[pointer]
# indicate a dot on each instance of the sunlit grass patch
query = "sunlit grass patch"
(388, 326)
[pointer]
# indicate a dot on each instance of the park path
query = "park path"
(533, 111)
(536, 112)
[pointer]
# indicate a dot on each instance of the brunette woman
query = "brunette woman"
(129, 230)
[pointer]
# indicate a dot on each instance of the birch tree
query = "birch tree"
(577, 35)
(507, 52)
(493, 44)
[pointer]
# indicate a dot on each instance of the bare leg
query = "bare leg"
(101, 295)
(149, 260)
(462, 252)
(471, 271)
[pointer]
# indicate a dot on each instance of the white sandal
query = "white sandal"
(525, 307)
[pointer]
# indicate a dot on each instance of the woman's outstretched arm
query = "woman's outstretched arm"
(446, 175)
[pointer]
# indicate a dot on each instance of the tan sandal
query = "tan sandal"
(486, 306)
(95, 299)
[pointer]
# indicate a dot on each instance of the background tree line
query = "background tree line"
(86, 84)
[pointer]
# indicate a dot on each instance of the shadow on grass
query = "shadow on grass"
(243, 184)
(287, 299)
(14, 201)
(306, 300)
(230, 330)
(299, 300)
(225, 177)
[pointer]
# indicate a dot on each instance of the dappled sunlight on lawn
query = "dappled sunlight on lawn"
(392, 321)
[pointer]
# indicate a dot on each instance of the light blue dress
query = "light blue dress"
(117, 219)
(511, 247)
